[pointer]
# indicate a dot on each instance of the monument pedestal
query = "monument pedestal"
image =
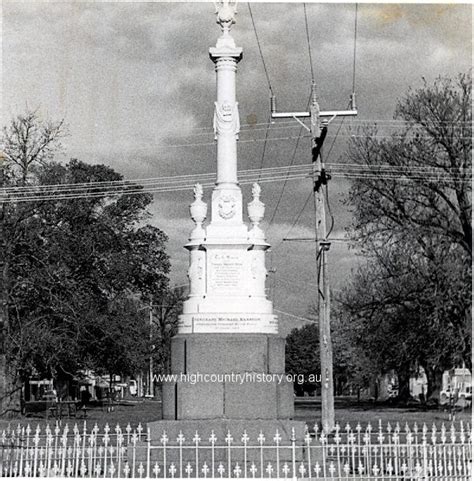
(228, 376)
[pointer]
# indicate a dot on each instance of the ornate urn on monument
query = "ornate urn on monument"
(256, 211)
(198, 211)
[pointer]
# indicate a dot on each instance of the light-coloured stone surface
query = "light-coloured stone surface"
(227, 270)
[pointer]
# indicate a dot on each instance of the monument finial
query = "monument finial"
(225, 12)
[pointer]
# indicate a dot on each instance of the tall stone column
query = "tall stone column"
(226, 55)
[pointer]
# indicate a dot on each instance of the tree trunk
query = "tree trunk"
(10, 382)
(467, 354)
(403, 374)
(435, 382)
(10, 390)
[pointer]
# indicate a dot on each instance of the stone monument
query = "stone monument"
(228, 357)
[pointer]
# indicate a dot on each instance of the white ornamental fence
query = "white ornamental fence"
(384, 453)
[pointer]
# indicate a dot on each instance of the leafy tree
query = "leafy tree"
(69, 268)
(411, 301)
(26, 142)
(353, 369)
(105, 257)
(167, 308)
(117, 342)
(302, 355)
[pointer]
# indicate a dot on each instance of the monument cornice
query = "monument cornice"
(225, 52)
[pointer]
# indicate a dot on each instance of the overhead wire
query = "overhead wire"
(293, 157)
(308, 42)
(327, 184)
(355, 51)
(164, 180)
(290, 123)
(252, 125)
(268, 139)
(299, 318)
(260, 49)
(275, 210)
(345, 167)
(138, 190)
(184, 182)
(384, 123)
(285, 177)
(297, 218)
(262, 161)
(277, 177)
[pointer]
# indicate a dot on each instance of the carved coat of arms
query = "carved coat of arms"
(226, 206)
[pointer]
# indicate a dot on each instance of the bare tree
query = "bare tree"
(28, 140)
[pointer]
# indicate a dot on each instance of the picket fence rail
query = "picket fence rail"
(381, 453)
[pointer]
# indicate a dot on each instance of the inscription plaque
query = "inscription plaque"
(226, 271)
(228, 323)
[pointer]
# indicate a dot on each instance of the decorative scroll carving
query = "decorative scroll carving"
(226, 119)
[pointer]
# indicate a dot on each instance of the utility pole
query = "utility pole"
(320, 178)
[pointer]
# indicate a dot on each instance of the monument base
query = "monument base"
(228, 376)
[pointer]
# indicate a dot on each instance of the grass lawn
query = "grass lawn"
(307, 409)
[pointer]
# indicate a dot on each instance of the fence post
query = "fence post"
(293, 452)
(425, 452)
(148, 452)
(20, 470)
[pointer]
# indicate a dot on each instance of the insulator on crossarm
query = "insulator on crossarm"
(273, 107)
(353, 101)
(273, 104)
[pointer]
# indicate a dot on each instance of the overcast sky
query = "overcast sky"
(134, 82)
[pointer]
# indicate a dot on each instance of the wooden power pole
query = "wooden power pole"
(320, 178)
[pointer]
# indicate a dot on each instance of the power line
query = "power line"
(106, 193)
(260, 49)
(344, 167)
(262, 161)
(386, 123)
(271, 139)
(275, 174)
(299, 318)
(309, 43)
(157, 180)
(355, 51)
(252, 125)
(297, 218)
(276, 178)
(291, 163)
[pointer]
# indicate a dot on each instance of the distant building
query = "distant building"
(457, 387)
